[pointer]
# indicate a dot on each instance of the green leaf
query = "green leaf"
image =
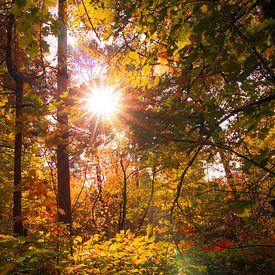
(32, 50)
(23, 27)
(20, 259)
(245, 214)
(45, 45)
(25, 41)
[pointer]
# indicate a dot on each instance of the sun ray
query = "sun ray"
(103, 102)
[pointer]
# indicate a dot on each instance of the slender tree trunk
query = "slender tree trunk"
(122, 215)
(18, 227)
(63, 173)
(98, 195)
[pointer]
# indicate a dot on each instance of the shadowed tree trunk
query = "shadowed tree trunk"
(63, 173)
(268, 8)
(18, 227)
(17, 194)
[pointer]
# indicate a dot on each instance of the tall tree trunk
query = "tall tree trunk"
(63, 173)
(18, 227)
(17, 193)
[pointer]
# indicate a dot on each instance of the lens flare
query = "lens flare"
(103, 102)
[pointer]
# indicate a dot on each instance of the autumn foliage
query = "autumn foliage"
(177, 178)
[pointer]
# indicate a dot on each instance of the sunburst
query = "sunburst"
(103, 102)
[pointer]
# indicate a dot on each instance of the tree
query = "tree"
(63, 170)
(204, 77)
(19, 81)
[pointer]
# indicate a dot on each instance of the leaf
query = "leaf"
(134, 56)
(24, 41)
(45, 45)
(149, 230)
(20, 259)
(245, 214)
(78, 239)
(146, 70)
(151, 239)
(23, 27)
(182, 43)
(204, 8)
(183, 38)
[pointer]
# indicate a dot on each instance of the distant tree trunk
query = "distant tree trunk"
(18, 227)
(98, 195)
(63, 173)
(122, 215)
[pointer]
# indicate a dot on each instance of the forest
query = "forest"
(137, 137)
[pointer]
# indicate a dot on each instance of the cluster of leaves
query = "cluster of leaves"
(123, 254)
(38, 254)
(119, 255)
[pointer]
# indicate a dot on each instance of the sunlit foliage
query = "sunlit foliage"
(170, 108)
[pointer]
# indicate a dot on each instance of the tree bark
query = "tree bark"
(18, 78)
(268, 8)
(63, 173)
(17, 193)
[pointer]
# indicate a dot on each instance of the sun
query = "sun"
(103, 102)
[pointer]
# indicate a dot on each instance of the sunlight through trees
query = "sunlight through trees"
(137, 137)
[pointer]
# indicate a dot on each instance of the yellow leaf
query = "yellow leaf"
(78, 239)
(134, 56)
(146, 70)
(182, 43)
(204, 8)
